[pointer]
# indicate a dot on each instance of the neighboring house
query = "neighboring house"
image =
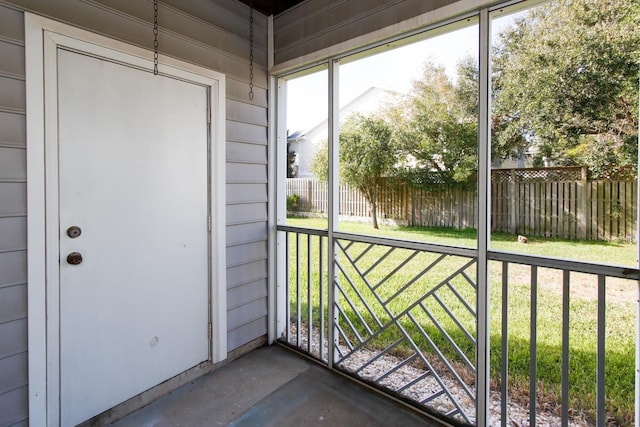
(306, 143)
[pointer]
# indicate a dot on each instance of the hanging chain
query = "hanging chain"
(251, 50)
(155, 37)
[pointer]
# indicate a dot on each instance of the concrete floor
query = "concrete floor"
(273, 386)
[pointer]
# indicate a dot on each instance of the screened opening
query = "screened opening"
(307, 128)
(399, 287)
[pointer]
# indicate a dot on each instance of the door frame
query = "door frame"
(43, 37)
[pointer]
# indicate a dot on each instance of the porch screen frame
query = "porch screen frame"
(374, 42)
(484, 193)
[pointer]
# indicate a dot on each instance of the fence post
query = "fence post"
(582, 204)
(513, 203)
(405, 202)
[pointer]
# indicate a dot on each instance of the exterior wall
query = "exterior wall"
(209, 33)
(317, 29)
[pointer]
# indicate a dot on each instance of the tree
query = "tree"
(367, 157)
(436, 126)
(566, 81)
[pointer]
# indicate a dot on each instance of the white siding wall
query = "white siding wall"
(210, 33)
(317, 29)
(13, 229)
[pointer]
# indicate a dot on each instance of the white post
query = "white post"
(278, 297)
(333, 189)
(484, 227)
(274, 182)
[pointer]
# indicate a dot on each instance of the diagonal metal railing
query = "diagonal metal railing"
(404, 321)
(399, 302)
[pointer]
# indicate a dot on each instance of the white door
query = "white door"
(133, 179)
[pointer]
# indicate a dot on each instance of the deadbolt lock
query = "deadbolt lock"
(74, 258)
(74, 231)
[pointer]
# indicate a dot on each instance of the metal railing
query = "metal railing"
(403, 320)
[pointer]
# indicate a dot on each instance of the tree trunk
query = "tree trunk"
(374, 214)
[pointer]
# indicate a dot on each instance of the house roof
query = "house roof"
(366, 103)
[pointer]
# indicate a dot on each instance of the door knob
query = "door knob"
(74, 258)
(74, 231)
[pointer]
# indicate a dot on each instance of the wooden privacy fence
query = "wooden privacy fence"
(548, 202)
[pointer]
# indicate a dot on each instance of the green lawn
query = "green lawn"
(620, 321)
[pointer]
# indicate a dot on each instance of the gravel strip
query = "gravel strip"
(428, 390)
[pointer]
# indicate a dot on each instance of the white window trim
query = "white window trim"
(42, 37)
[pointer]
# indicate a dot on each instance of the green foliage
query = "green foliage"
(566, 81)
(367, 157)
(293, 203)
(436, 126)
(320, 162)
(291, 158)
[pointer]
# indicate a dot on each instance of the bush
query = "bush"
(293, 203)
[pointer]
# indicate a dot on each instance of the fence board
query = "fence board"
(569, 206)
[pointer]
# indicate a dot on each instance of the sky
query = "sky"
(393, 70)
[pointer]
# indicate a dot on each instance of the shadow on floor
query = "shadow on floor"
(273, 386)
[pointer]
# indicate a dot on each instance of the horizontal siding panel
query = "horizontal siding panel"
(13, 267)
(178, 21)
(14, 406)
(12, 94)
(246, 173)
(14, 198)
(11, 24)
(246, 292)
(12, 59)
(13, 164)
(246, 313)
(249, 232)
(246, 333)
(240, 152)
(13, 303)
(231, 16)
(243, 112)
(13, 338)
(239, 90)
(247, 212)
(13, 128)
(13, 233)
(244, 132)
(241, 254)
(13, 372)
(118, 25)
(325, 20)
(246, 273)
(238, 193)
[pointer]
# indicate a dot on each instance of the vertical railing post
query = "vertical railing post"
(334, 194)
(637, 396)
(566, 307)
(279, 259)
(533, 347)
(484, 227)
(504, 369)
(601, 415)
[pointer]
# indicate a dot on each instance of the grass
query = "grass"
(620, 321)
